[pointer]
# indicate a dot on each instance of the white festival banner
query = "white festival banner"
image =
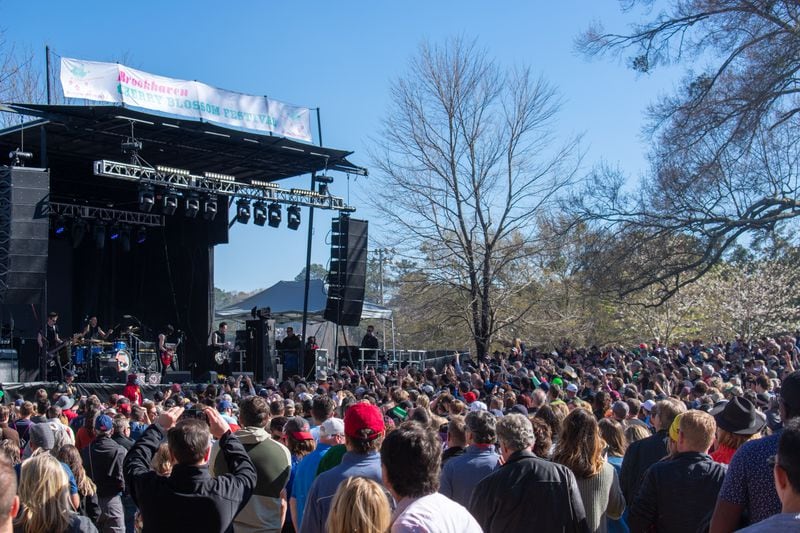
(112, 82)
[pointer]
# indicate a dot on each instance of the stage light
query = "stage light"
(323, 189)
(192, 204)
(141, 235)
(60, 225)
(100, 235)
(169, 202)
(259, 213)
(172, 170)
(293, 217)
(274, 215)
(147, 197)
(125, 238)
(210, 208)
(79, 228)
(115, 231)
(242, 211)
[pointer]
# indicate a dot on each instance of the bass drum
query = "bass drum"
(123, 361)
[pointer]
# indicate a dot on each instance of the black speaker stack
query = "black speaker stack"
(260, 339)
(348, 271)
(24, 233)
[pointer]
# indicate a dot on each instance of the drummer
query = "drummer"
(94, 332)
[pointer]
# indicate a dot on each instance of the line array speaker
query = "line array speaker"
(348, 272)
(24, 232)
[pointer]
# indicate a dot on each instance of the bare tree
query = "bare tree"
(725, 147)
(20, 81)
(466, 164)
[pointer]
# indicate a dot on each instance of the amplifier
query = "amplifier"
(177, 376)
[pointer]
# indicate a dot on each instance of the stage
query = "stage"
(27, 391)
(116, 216)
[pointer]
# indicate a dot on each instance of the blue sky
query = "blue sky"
(342, 57)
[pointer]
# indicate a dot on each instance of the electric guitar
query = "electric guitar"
(221, 354)
(168, 354)
(54, 355)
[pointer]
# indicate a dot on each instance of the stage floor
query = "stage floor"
(27, 391)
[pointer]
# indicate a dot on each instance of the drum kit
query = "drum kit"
(98, 360)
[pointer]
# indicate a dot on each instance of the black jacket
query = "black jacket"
(527, 494)
(677, 495)
(638, 458)
(190, 499)
(102, 460)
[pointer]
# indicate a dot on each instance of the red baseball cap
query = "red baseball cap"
(470, 396)
(362, 417)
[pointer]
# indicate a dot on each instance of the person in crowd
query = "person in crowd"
(23, 423)
(461, 474)
(331, 433)
(411, 458)
(103, 459)
(9, 501)
(132, 390)
(641, 454)
(9, 451)
(266, 509)
(85, 433)
(322, 408)
(298, 438)
(748, 494)
(581, 450)
(690, 472)
(189, 499)
(162, 461)
(786, 472)
(7, 432)
(122, 432)
(41, 442)
(359, 504)
(633, 433)
(503, 501)
(364, 432)
(738, 421)
(456, 439)
(44, 499)
(87, 491)
(614, 437)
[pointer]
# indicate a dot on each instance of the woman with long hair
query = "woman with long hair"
(580, 448)
(87, 491)
(359, 504)
(44, 498)
(614, 436)
(85, 435)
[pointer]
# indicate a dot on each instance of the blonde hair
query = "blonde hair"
(361, 505)
(162, 462)
(698, 428)
(43, 493)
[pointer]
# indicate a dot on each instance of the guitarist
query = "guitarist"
(220, 349)
(49, 341)
(166, 349)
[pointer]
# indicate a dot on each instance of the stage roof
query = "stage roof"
(94, 132)
(285, 300)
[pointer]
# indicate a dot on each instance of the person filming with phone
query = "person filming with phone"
(189, 499)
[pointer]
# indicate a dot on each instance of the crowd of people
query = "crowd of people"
(688, 437)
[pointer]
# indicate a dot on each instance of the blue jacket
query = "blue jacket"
(461, 474)
(324, 487)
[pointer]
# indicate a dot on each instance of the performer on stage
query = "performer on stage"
(166, 349)
(94, 332)
(291, 347)
(370, 341)
(48, 340)
(220, 349)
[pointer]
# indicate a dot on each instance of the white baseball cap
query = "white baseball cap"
(572, 387)
(331, 427)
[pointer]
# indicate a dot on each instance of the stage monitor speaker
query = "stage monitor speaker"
(348, 271)
(260, 340)
(348, 356)
(177, 376)
(24, 233)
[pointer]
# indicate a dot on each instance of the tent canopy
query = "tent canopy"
(285, 299)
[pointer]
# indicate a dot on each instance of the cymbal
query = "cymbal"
(99, 342)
